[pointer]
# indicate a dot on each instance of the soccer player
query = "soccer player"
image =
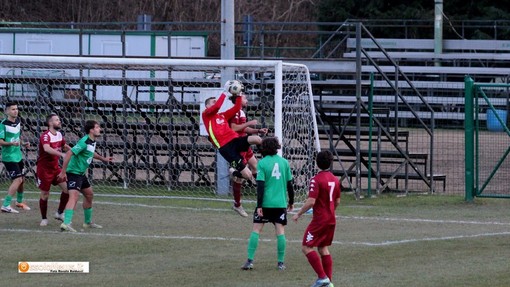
(221, 135)
(76, 163)
(324, 197)
(243, 127)
(274, 184)
(11, 142)
(51, 145)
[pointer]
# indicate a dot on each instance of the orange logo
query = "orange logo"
(23, 267)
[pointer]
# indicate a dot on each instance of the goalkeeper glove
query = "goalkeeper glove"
(226, 87)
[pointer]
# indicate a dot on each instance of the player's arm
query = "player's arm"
(65, 163)
(216, 107)
(2, 137)
(310, 201)
(260, 196)
(22, 142)
(48, 149)
(4, 143)
(246, 127)
(290, 193)
(102, 158)
(337, 202)
(230, 113)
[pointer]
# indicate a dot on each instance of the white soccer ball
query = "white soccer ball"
(236, 87)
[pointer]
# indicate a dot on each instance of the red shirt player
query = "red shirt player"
(240, 124)
(227, 141)
(324, 197)
(51, 147)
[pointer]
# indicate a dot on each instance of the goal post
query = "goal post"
(149, 110)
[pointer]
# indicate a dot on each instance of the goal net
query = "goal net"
(149, 110)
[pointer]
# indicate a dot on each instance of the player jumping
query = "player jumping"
(243, 127)
(227, 141)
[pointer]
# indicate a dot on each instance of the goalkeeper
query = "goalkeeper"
(227, 141)
(240, 124)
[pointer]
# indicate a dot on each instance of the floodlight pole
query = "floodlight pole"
(227, 53)
(438, 30)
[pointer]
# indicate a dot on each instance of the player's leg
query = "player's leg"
(281, 245)
(327, 234)
(237, 186)
(88, 196)
(254, 139)
(10, 193)
(74, 185)
(44, 186)
(64, 197)
(327, 261)
(309, 242)
(253, 242)
(74, 195)
(43, 206)
(16, 176)
(21, 188)
(280, 220)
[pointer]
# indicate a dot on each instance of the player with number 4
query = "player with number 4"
(324, 197)
(274, 184)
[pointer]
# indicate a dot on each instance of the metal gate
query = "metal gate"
(487, 140)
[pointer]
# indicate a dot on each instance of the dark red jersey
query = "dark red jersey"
(325, 188)
(45, 160)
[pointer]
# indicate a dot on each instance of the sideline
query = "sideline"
(175, 237)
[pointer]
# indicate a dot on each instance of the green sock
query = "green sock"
(88, 215)
(7, 200)
(281, 244)
(19, 197)
(68, 216)
(252, 244)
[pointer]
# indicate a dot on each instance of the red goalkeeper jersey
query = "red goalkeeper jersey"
(217, 124)
(45, 160)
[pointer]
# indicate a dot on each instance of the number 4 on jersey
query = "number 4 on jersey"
(276, 171)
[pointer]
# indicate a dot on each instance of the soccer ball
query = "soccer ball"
(236, 87)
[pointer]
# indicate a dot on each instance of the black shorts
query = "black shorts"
(273, 215)
(15, 169)
(231, 152)
(77, 182)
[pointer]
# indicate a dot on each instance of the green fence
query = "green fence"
(487, 140)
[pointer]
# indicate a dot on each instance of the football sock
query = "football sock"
(68, 216)
(43, 206)
(281, 244)
(7, 200)
(315, 262)
(236, 190)
(252, 244)
(237, 173)
(327, 264)
(88, 215)
(64, 197)
(19, 197)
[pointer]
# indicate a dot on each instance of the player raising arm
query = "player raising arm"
(76, 163)
(243, 127)
(51, 146)
(324, 197)
(228, 142)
